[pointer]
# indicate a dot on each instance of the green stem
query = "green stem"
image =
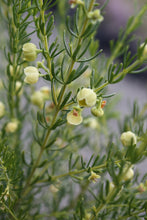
(76, 172)
(25, 191)
(45, 39)
(9, 210)
(123, 72)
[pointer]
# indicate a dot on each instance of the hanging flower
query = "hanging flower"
(32, 75)
(98, 112)
(86, 97)
(98, 109)
(93, 177)
(2, 109)
(74, 117)
(95, 16)
(128, 138)
(29, 51)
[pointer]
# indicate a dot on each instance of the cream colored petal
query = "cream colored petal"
(74, 120)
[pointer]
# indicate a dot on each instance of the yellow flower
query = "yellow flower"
(128, 138)
(93, 177)
(2, 109)
(86, 97)
(32, 75)
(74, 117)
(37, 99)
(29, 51)
(95, 16)
(12, 126)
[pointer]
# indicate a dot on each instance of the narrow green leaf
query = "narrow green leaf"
(91, 58)
(65, 99)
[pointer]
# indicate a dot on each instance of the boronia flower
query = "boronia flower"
(29, 51)
(95, 16)
(2, 109)
(32, 75)
(37, 98)
(86, 97)
(74, 3)
(128, 138)
(12, 126)
(74, 117)
(93, 177)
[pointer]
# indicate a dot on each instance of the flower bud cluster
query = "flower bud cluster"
(86, 98)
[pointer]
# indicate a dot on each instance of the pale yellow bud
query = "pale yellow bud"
(128, 138)
(128, 174)
(145, 49)
(29, 51)
(2, 109)
(53, 189)
(98, 112)
(12, 73)
(12, 126)
(19, 87)
(74, 117)
(32, 75)
(111, 186)
(37, 99)
(86, 97)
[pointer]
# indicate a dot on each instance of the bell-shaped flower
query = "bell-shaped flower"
(86, 97)
(29, 51)
(128, 138)
(74, 117)
(32, 75)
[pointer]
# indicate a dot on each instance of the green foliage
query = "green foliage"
(56, 161)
